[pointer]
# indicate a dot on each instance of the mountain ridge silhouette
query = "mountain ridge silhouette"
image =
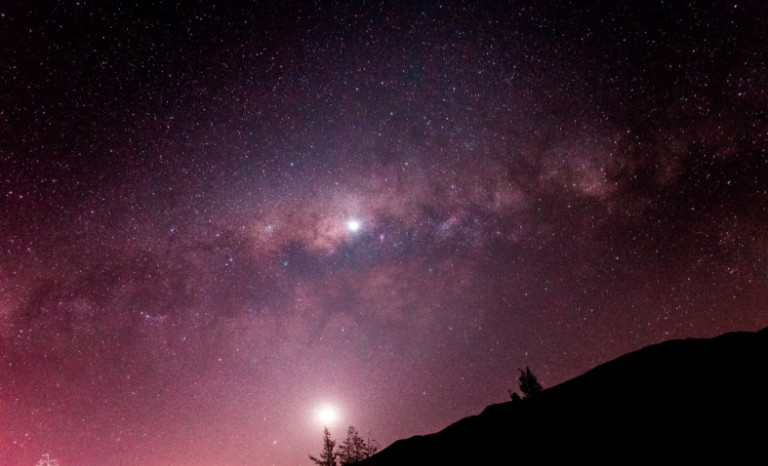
(680, 399)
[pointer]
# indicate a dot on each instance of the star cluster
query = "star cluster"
(217, 217)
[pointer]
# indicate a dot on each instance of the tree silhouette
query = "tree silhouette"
(529, 385)
(328, 455)
(354, 448)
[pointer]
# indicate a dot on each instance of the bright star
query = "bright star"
(353, 225)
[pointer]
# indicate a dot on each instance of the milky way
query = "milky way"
(217, 217)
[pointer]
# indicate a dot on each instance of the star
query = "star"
(353, 225)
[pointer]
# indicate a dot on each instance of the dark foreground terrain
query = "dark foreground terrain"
(686, 400)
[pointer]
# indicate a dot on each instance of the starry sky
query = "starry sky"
(216, 217)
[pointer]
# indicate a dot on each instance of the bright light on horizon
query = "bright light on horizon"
(327, 414)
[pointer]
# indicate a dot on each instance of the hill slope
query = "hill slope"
(693, 398)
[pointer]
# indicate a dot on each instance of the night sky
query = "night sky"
(217, 217)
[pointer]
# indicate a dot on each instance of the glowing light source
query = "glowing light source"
(327, 414)
(353, 225)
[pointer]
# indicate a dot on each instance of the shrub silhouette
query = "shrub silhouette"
(529, 385)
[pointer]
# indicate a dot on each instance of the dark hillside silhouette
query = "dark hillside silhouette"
(683, 399)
